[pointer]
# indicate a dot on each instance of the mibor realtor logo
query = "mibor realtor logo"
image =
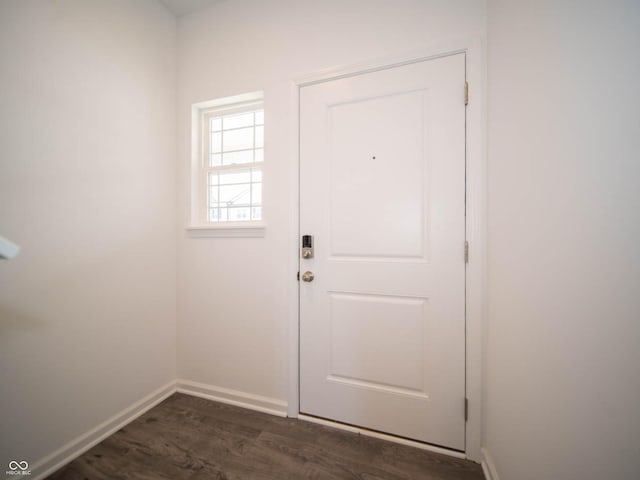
(18, 468)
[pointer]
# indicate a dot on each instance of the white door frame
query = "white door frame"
(475, 219)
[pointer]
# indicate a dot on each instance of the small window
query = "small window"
(228, 172)
(234, 156)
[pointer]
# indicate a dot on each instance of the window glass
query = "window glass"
(235, 194)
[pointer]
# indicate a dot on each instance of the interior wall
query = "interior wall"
(563, 387)
(234, 294)
(87, 189)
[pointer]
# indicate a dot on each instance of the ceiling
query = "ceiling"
(184, 7)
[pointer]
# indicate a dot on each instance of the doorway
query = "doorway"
(382, 296)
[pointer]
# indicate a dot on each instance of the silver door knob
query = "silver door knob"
(307, 277)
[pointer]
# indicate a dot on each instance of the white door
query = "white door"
(382, 191)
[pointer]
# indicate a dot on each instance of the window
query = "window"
(228, 158)
(235, 152)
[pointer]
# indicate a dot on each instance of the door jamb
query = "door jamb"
(475, 219)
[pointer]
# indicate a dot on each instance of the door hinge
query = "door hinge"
(466, 409)
(466, 93)
(466, 252)
(298, 276)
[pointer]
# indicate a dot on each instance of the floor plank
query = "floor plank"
(191, 438)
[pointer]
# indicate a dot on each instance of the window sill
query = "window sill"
(229, 230)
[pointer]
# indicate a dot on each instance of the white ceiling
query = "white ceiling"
(184, 7)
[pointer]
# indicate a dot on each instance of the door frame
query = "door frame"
(474, 50)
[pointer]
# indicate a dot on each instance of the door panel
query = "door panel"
(382, 192)
(378, 182)
(374, 338)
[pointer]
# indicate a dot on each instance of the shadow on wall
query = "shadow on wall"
(12, 320)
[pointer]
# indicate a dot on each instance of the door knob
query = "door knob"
(307, 277)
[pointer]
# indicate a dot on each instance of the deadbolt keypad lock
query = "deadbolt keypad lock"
(307, 246)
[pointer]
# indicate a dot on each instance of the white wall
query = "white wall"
(87, 188)
(563, 386)
(233, 302)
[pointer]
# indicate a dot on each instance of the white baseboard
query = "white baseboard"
(488, 467)
(76, 447)
(251, 401)
(382, 436)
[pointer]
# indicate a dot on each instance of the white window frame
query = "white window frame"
(199, 225)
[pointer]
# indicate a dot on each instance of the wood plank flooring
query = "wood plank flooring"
(187, 437)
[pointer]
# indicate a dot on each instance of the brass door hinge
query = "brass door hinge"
(466, 409)
(466, 93)
(466, 252)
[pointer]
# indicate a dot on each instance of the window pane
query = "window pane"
(238, 120)
(235, 176)
(259, 137)
(260, 117)
(235, 194)
(259, 155)
(214, 214)
(243, 156)
(256, 194)
(239, 214)
(215, 124)
(238, 139)
(213, 178)
(213, 196)
(256, 213)
(216, 143)
(256, 174)
(215, 159)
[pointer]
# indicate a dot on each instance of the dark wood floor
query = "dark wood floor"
(191, 438)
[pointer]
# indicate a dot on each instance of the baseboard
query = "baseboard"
(488, 467)
(233, 397)
(76, 447)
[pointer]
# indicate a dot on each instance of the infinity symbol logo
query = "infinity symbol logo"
(23, 465)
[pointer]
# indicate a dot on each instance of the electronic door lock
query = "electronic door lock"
(307, 246)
